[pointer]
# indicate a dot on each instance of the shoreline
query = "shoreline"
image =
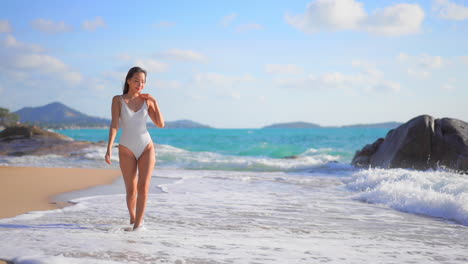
(34, 188)
(38, 188)
(45, 188)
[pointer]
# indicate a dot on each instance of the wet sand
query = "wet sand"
(26, 189)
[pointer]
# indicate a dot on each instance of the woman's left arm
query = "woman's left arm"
(153, 110)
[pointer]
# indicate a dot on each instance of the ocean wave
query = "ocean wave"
(169, 156)
(172, 157)
(433, 193)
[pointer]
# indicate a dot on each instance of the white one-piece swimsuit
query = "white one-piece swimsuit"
(135, 135)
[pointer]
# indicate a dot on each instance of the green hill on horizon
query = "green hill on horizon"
(58, 115)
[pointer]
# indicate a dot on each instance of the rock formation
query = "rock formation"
(421, 143)
(22, 140)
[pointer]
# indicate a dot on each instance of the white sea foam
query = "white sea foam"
(234, 217)
(172, 157)
(433, 193)
(313, 151)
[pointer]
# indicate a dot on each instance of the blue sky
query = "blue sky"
(242, 64)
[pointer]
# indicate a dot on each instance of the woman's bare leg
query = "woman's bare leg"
(128, 166)
(146, 164)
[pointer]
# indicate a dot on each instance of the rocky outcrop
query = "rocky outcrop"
(27, 132)
(22, 140)
(421, 143)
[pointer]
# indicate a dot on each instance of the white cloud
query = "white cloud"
(420, 66)
(223, 86)
(73, 77)
(107, 81)
(216, 80)
(464, 59)
(329, 15)
(448, 10)
(39, 62)
(10, 41)
(448, 87)
(334, 15)
(118, 76)
(418, 73)
(92, 25)
(283, 69)
(164, 24)
(363, 64)
(51, 27)
(5, 26)
(403, 57)
(249, 27)
(184, 55)
(151, 65)
(428, 61)
(227, 20)
(26, 63)
(164, 84)
(99, 87)
(387, 86)
(45, 64)
(367, 80)
(400, 19)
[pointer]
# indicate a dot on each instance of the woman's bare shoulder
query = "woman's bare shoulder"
(116, 98)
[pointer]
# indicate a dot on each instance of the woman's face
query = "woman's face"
(137, 82)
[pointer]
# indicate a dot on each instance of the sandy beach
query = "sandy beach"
(33, 188)
(28, 189)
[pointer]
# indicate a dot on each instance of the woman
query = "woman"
(136, 149)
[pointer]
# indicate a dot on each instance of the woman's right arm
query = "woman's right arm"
(114, 127)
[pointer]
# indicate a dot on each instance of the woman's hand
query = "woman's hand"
(107, 157)
(148, 97)
(153, 110)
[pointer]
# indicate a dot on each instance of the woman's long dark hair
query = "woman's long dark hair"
(130, 75)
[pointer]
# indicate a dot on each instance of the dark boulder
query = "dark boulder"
(421, 143)
(362, 157)
(450, 143)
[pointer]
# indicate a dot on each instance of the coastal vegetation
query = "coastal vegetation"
(7, 118)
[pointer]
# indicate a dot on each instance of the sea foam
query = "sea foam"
(172, 157)
(233, 217)
(434, 193)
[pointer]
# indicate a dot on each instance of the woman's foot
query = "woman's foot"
(141, 227)
(138, 226)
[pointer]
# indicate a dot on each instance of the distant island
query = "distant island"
(293, 125)
(388, 125)
(376, 125)
(59, 116)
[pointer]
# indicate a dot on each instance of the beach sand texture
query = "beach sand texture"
(26, 189)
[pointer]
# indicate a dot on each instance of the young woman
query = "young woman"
(136, 149)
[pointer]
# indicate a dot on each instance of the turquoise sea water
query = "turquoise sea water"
(272, 143)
